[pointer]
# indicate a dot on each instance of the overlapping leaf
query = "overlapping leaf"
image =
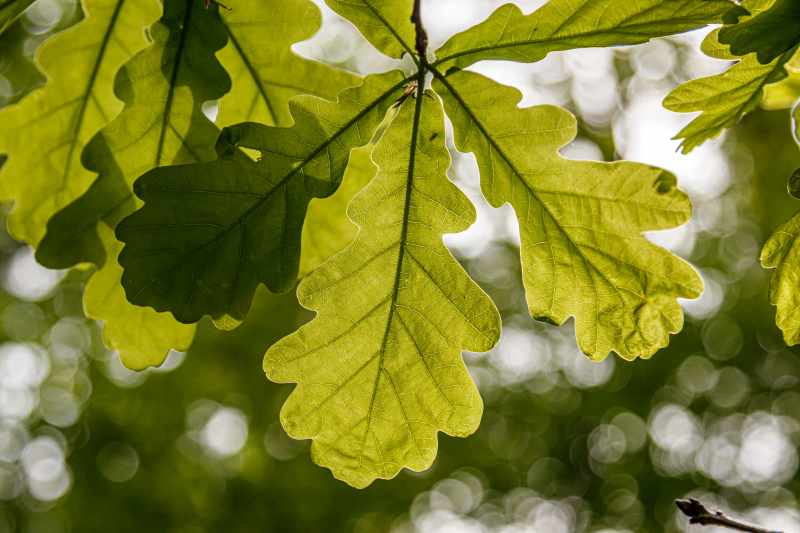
(566, 24)
(164, 88)
(209, 233)
(769, 34)
(379, 375)
(264, 70)
(384, 23)
(785, 93)
(725, 98)
(10, 10)
(583, 253)
(327, 230)
(782, 253)
(44, 173)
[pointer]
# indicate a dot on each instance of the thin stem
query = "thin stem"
(698, 514)
(422, 35)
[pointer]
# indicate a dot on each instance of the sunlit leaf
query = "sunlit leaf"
(327, 229)
(379, 371)
(566, 24)
(44, 173)
(209, 233)
(264, 70)
(164, 88)
(583, 253)
(782, 253)
(385, 23)
(725, 98)
(769, 34)
(10, 10)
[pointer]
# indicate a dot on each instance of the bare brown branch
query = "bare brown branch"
(698, 514)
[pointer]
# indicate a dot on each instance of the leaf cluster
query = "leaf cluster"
(343, 179)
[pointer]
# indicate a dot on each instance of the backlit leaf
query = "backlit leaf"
(264, 70)
(725, 98)
(566, 24)
(44, 176)
(379, 370)
(164, 88)
(583, 253)
(782, 253)
(384, 23)
(209, 233)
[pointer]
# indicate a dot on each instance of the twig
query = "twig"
(698, 514)
(422, 35)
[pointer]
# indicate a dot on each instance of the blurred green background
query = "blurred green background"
(566, 445)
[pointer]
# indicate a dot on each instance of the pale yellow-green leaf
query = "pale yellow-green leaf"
(782, 253)
(327, 230)
(44, 173)
(164, 88)
(140, 335)
(583, 253)
(384, 23)
(379, 370)
(264, 70)
(725, 98)
(509, 34)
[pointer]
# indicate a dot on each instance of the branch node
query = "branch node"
(698, 514)
(422, 35)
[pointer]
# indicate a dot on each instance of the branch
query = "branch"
(422, 35)
(698, 514)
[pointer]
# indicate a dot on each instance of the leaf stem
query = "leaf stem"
(422, 35)
(698, 514)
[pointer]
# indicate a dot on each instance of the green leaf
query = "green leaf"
(163, 88)
(10, 10)
(508, 34)
(785, 93)
(265, 71)
(725, 98)
(44, 176)
(384, 23)
(209, 233)
(327, 229)
(379, 370)
(782, 252)
(769, 34)
(142, 337)
(583, 253)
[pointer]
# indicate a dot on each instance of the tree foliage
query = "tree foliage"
(185, 211)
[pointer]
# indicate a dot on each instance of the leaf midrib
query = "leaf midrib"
(256, 205)
(176, 67)
(81, 115)
(399, 265)
(530, 42)
(253, 74)
(533, 192)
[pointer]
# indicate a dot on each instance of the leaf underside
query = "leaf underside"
(378, 371)
(378, 377)
(782, 253)
(725, 98)
(583, 253)
(44, 176)
(510, 35)
(209, 233)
